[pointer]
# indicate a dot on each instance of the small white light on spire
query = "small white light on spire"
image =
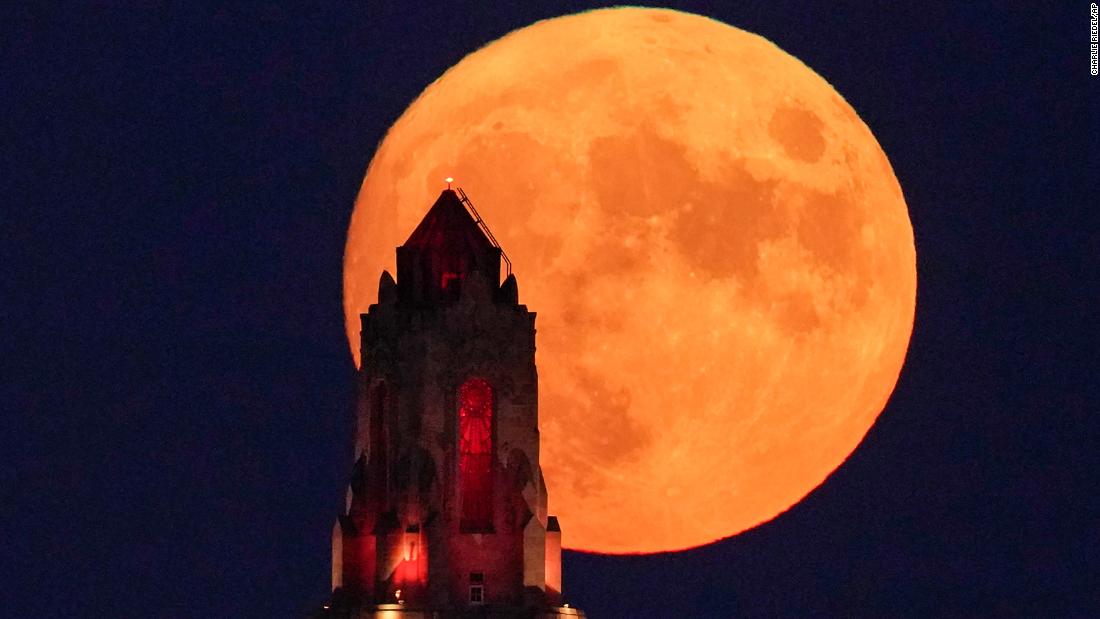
(449, 181)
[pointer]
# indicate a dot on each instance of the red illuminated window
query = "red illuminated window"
(448, 277)
(414, 565)
(475, 448)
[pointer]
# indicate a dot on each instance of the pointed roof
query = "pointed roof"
(448, 225)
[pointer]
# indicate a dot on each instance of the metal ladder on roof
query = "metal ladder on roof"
(484, 228)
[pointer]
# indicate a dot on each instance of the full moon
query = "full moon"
(717, 248)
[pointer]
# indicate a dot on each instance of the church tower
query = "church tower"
(446, 508)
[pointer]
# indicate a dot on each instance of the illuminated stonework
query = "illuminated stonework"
(446, 507)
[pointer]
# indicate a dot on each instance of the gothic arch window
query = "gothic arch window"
(475, 454)
(379, 404)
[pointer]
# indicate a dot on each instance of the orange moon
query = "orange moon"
(717, 248)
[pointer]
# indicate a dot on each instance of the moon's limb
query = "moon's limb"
(718, 251)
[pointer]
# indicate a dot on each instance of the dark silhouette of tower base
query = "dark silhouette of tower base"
(446, 507)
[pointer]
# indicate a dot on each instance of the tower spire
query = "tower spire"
(445, 249)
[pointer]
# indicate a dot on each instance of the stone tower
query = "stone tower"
(446, 508)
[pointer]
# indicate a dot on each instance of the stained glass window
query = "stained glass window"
(475, 448)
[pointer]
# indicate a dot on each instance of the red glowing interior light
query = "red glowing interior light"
(475, 417)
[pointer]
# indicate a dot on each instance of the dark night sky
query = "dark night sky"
(176, 386)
